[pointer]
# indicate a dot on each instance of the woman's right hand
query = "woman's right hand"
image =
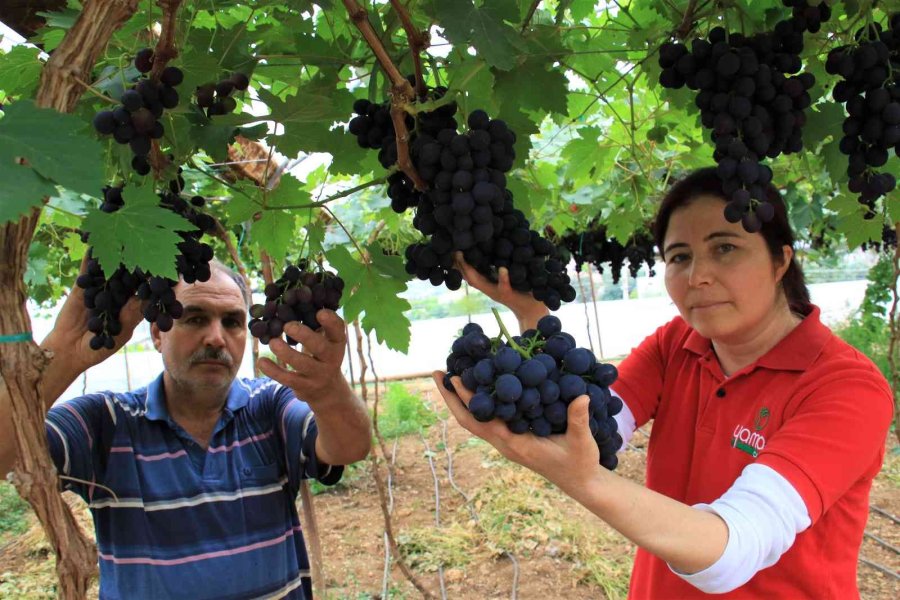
(526, 309)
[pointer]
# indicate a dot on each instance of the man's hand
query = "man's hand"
(315, 373)
(70, 338)
(527, 310)
(315, 376)
(567, 460)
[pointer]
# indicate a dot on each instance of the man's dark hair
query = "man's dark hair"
(776, 233)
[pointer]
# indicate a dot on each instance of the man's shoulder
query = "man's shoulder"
(126, 404)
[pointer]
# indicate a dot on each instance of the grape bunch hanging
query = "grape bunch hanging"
(872, 99)
(594, 246)
(529, 381)
(297, 295)
(104, 297)
(752, 98)
(137, 121)
(216, 97)
(467, 207)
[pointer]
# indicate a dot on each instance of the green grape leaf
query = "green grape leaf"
(373, 291)
(36, 152)
(495, 41)
(140, 234)
(20, 71)
(274, 233)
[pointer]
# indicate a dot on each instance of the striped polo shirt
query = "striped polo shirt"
(175, 520)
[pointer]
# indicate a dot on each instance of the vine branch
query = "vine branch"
(402, 92)
(531, 10)
(418, 43)
(164, 52)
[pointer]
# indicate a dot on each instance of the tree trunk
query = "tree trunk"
(22, 363)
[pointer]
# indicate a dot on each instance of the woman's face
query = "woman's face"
(722, 279)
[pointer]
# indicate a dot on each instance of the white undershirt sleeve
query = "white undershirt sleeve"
(764, 514)
(625, 420)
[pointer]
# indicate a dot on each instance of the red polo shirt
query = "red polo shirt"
(813, 408)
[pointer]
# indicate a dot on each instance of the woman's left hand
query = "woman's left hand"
(568, 460)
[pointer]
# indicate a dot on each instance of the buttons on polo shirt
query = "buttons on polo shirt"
(720, 392)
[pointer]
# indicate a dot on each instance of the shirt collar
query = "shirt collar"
(238, 396)
(796, 352)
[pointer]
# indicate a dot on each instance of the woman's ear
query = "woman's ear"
(787, 254)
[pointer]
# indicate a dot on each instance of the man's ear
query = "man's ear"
(156, 336)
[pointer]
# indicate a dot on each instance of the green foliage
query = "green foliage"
(577, 81)
(13, 512)
(36, 155)
(402, 412)
(869, 331)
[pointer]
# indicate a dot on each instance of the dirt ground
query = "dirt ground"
(559, 549)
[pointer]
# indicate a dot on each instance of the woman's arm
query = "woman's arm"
(689, 539)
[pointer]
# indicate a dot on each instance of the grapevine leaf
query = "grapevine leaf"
(140, 234)
(373, 291)
(41, 140)
(274, 232)
(531, 86)
(463, 23)
(20, 71)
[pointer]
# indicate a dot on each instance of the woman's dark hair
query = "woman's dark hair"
(776, 233)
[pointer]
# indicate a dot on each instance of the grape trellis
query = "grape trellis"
(141, 137)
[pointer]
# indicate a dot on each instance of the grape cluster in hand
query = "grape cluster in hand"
(872, 98)
(751, 97)
(217, 97)
(593, 246)
(296, 296)
(467, 207)
(531, 388)
(104, 298)
(137, 121)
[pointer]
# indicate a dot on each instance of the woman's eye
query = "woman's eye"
(725, 248)
(677, 258)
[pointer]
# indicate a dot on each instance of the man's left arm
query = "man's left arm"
(344, 429)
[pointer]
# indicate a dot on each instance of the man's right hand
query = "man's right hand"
(526, 309)
(70, 338)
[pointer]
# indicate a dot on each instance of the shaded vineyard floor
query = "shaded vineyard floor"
(560, 550)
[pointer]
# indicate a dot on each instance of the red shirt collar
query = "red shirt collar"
(796, 352)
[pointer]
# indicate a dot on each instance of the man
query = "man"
(192, 481)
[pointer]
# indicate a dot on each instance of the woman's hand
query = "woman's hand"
(527, 310)
(569, 460)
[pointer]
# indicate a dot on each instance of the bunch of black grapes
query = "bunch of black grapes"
(466, 207)
(297, 295)
(137, 121)
(105, 297)
(872, 99)
(595, 246)
(216, 97)
(752, 96)
(529, 382)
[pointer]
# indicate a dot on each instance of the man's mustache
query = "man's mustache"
(212, 354)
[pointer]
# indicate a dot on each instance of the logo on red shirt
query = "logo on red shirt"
(749, 440)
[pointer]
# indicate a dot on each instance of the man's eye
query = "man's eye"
(726, 248)
(677, 258)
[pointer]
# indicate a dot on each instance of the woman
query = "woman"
(768, 429)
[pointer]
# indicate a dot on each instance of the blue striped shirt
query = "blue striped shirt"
(189, 522)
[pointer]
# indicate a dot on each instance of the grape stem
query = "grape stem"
(505, 332)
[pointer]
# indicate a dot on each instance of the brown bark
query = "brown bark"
(22, 363)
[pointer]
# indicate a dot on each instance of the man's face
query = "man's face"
(204, 348)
